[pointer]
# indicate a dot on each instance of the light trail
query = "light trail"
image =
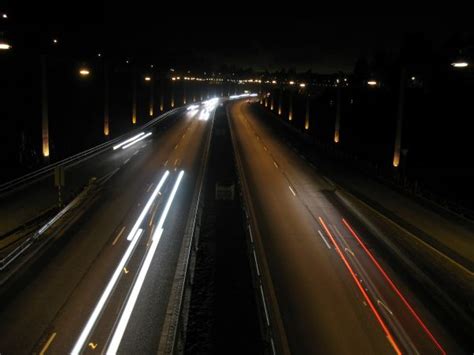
(394, 287)
(105, 296)
(127, 311)
(136, 140)
(148, 206)
(362, 290)
(128, 141)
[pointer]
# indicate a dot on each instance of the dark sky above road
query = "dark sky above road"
(323, 44)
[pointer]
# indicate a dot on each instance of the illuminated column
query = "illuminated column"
(306, 118)
(338, 115)
(44, 108)
(266, 100)
(398, 133)
(184, 93)
(134, 98)
(152, 94)
(271, 102)
(172, 95)
(290, 107)
(106, 101)
(280, 99)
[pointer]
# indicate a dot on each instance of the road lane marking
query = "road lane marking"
(176, 146)
(256, 262)
(362, 290)
(105, 296)
(380, 303)
(324, 239)
(394, 287)
(125, 270)
(275, 163)
(153, 216)
(264, 305)
(137, 286)
(126, 161)
(349, 251)
(48, 343)
(166, 163)
(176, 162)
(149, 187)
(118, 235)
(265, 148)
(292, 191)
(92, 345)
(147, 206)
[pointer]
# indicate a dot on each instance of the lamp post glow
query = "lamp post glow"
(152, 101)
(372, 83)
(4, 45)
(106, 101)
(134, 96)
(280, 99)
(290, 108)
(338, 115)
(44, 109)
(460, 64)
(398, 132)
(84, 72)
(306, 118)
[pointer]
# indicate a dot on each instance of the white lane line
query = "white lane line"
(147, 206)
(128, 141)
(380, 303)
(126, 161)
(105, 296)
(264, 305)
(48, 343)
(118, 235)
(149, 187)
(176, 162)
(265, 148)
(324, 239)
(275, 163)
(153, 216)
(137, 140)
(349, 251)
(176, 146)
(256, 262)
(292, 191)
(132, 299)
(166, 163)
(250, 233)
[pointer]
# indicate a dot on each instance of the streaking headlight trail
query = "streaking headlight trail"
(136, 140)
(105, 295)
(127, 311)
(128, 141)
(148, 206)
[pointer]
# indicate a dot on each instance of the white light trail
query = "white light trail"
(192, 107)
(127, 311)
(128, 141)
(136, 140)
(148, 205)
(105, 295)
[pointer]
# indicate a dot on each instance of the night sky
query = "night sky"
(323, 44)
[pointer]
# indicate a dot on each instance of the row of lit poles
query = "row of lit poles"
(370, 83)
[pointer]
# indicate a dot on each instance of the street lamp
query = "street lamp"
(4, 45)
(460, 64)
(84, 71)
(372, 83)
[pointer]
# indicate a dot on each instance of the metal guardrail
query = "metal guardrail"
(42, 172)
(28, 242)
(265, 317)
(176, 322)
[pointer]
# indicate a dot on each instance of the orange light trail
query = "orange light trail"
(366, 296)
(394, 287)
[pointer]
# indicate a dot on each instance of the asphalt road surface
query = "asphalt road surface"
(330, 291)
(84, 292)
